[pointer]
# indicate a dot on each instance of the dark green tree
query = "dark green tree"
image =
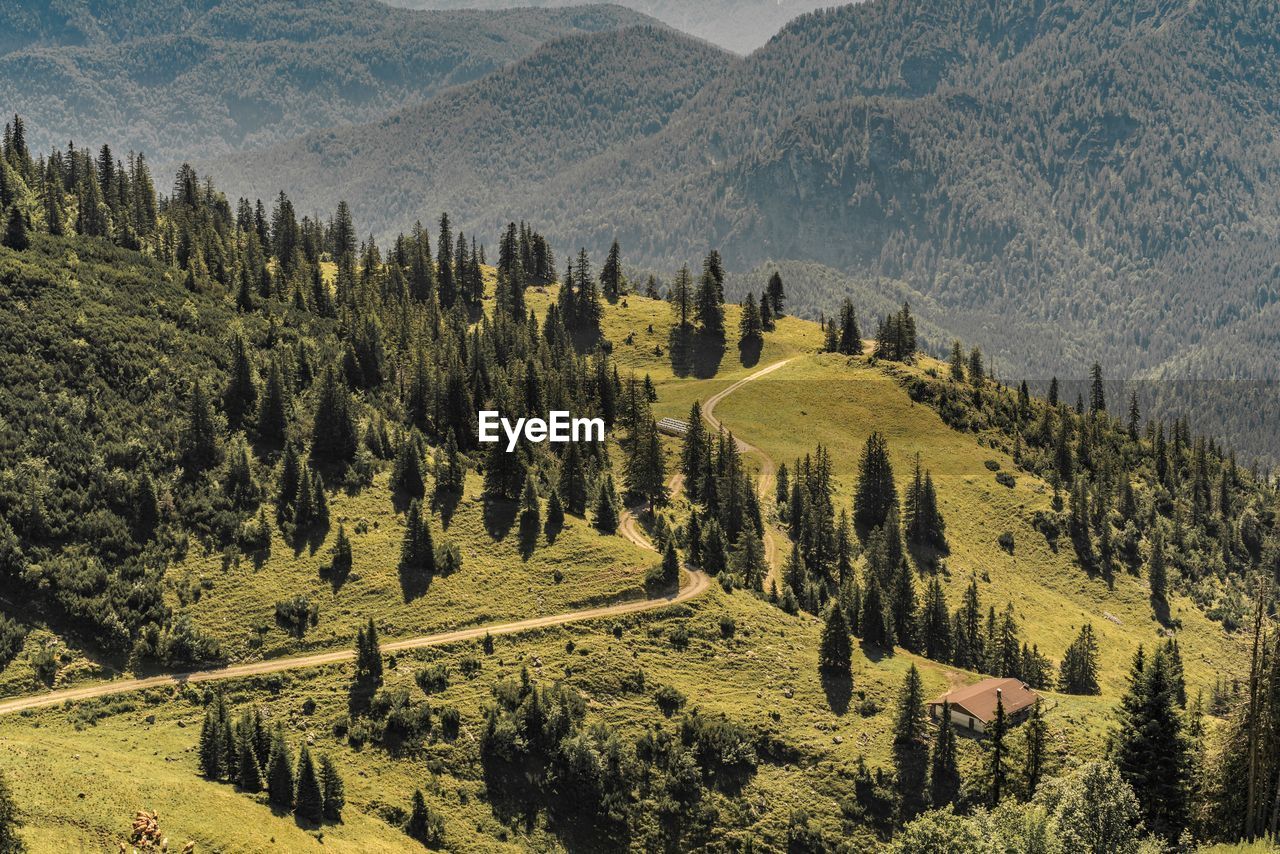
(308, 795)
(996, 753)
(335, 797)
(835, 652)
(1078, 672)
(876, 494)
(15, 233)
(605, 516)
(280, 774)
(944, 774)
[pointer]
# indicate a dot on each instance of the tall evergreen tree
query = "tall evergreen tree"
(611, 274)
(417, 552)
(709, 306)
(910, 745)
(280, 774)
(308, 795)
(1036, 733)
(1151, 750)
(835, 654)
(332, 788)
(997, 731)
(605, 516)
(777, 294)
(333, 432)
(1079, 669)
(875, 494)
(944, 774)
(573, 482)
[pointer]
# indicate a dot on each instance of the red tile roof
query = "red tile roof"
(979, 699)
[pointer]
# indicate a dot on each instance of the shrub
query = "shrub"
(1006, 541)
(669, 699)
(1005, 479)
(432, 679)
(296, 614)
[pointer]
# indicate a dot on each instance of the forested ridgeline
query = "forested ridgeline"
(181, 80)
(187, 373)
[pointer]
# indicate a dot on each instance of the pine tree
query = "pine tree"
(611, 274)
(670, 565)
(331, 787)
(996, 754)
(777, 295)
(280, 774)
(835, 654)
(368, 670)
(876, 494)
(573, 482)
(1157, 574)
(308, 796)
(1078, 673)
(1151, 750)
(750, 326)
(1097, 393)
(417, 552)
(1135, 416)
(850, 343)
(273, 415)
(872, 620)
(910, 744)
(646, 473)
(1036, 732)
(422, 824)
(199, 439)
(944, 775)
(605, 516)
(406, 475)
(210, 747)
(555, 512)
(957, 362)
(530, 511)
(681, 296)
(333, 433)
(15, 233)
(902, 606)
(935, 623)
(341, 563)
(249, 774)
(714, 550)
(709, 305)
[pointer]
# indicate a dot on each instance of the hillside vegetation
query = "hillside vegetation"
(1098, 172)
(231, 434)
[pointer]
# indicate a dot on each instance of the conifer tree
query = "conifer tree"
(333, 432)
(332, 788)
(750, 326)
(605, 516)
(872, 620)
(777, 295)
(280, 774)
(572, 485)
(835, 654)
(996, 753)
(1078, 673)
(876, 493)
(199, 440)
(714, 550)
(910, 744)
(1097, 393)
(935, 623)
(422, 824)
(709, 304)
(1036, 732)
(611, 274)
(555, 511)
(1157, 574)
(417, 552)
(646, 472)
(944, 774)
(406, 475)
(903, 606)
(15, 233)
(957, 362)
(308, 796)
(1151, 750)
(850, 343)
(681, 296)
(530, 510)
(693, 454)
(210, 746)
(670, 565)
(767, 321)
(273, 416)
(368, 669)
(249, 774)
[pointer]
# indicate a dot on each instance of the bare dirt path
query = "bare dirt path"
(696, 583)
(768, 470)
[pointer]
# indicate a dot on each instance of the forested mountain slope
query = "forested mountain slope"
(208, 76)
(518, 127)
(1099, 171)
(738, 25)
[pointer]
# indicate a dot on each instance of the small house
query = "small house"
(973, 707)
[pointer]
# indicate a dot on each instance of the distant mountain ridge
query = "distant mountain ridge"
(737, 25)
(203, 77)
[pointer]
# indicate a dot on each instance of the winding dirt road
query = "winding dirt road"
(696, 583)
(768, 470)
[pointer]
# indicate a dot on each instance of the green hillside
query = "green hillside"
(247, 444)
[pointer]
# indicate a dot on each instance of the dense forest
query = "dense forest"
(181, 80)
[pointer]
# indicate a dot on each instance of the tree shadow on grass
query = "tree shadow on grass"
(499, 517)
(414, 583)
(749, 351)
(874, 652)
(693, 354)
(839, 690)
(445, 502)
